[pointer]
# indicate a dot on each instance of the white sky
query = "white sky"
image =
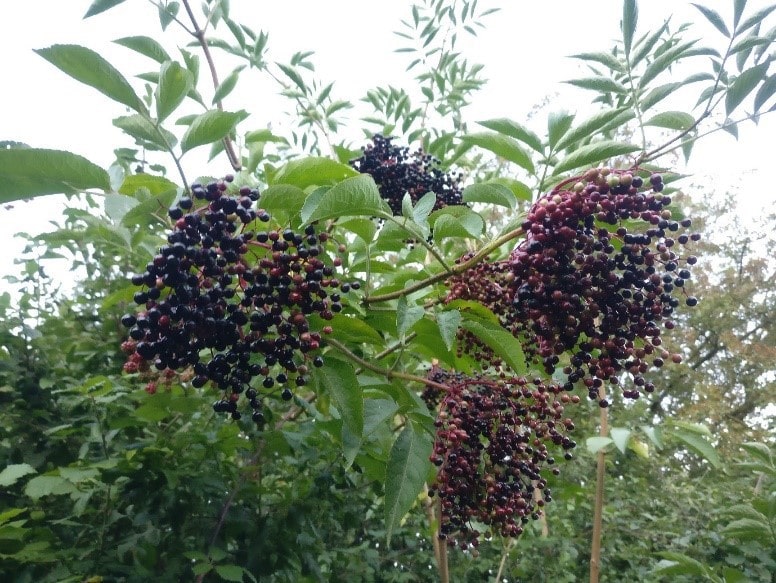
(524, 50)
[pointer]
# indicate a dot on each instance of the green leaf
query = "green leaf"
(142, 129)
(90, 68)
(714, 18)
(748, 529)
(654, 434)
(155, 185)
(10, 514)
(227, 85)
(490, 193)
(500, 341)
(41, 486)
(515, 130)
(209, 127)
(230, 572)
(423, 208)
(756, 18)
(608, 60)
(29, 172)
(558, 123)
(644, 46)
(448, 323)
(313, 171)
(759, 450)
(600, 84)
(145, 45)
(519, 189)
(283, 199)
(405, 474)
(351, 197)
(657, 94)
(663, 62)
(765, 92)
(11, 474)
(407, 315)
(738, 10)
(503, 146)
(696, 443)
(338, 379)
(732, 575)
(594, 153)
(593, 124)
(697, 428)
(673, 120)
(101, 6)
(174, 83)
(744, 85)
(354, 330)
(679, 564)
(630, 18)
(596, 444)
(620, 437)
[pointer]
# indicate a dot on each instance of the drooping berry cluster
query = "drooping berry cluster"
(493, 441)
(597, 273)
(230, 302)
(397, 171)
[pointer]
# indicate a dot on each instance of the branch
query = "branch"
(454, 270)
(598, 510)
(199, 34)
(389, 374)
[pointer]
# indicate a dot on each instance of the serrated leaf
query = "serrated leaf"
(620, 437)
(146, 46)
(630, 18)
(743, 86)
(765, 92)
(608, 60)
(101, 6)
(41, 486)
(592, 125)
(447, 226)
(284, 200)
(339, 380)
(714, 18)
(748, 529)
(697, 428)
(90, 68)
(448, 323)
(227, 85)
(597, 443)
(423, 208)
(313, 171)
(601, 84)
(351, 197)
(738, 10)
(520, 190)
(657, 95)
(558, 123)
(503, 146)
(515, 130)
(155, 185)
(490, 193)
(174, 83)
(407, 315)
(758, 450)
(679, 564)
(354, 330)
(594, 153)
(29, 172)
(663, 62)
(673, 120)
(141, 128)
(405, 474)
(645, 46)
(230, 572)
(756, 18)
(699, 445)
(209, 127)
(14, 472)
(503, 344)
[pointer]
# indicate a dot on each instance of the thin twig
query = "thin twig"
(199, 34)
(598, 509)
(454, 270)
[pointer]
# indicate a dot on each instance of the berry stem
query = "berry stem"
(595, 550)
(389, 374)
(454, 270)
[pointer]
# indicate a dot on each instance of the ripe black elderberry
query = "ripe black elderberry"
(229, 300)
(585, 283)
(492, 443)
(397, 171)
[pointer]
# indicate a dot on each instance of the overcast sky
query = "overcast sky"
(524, 50)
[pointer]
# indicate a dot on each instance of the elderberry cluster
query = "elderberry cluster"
(493, 440)
(397, 171)
(228, 300)
(599, 271)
